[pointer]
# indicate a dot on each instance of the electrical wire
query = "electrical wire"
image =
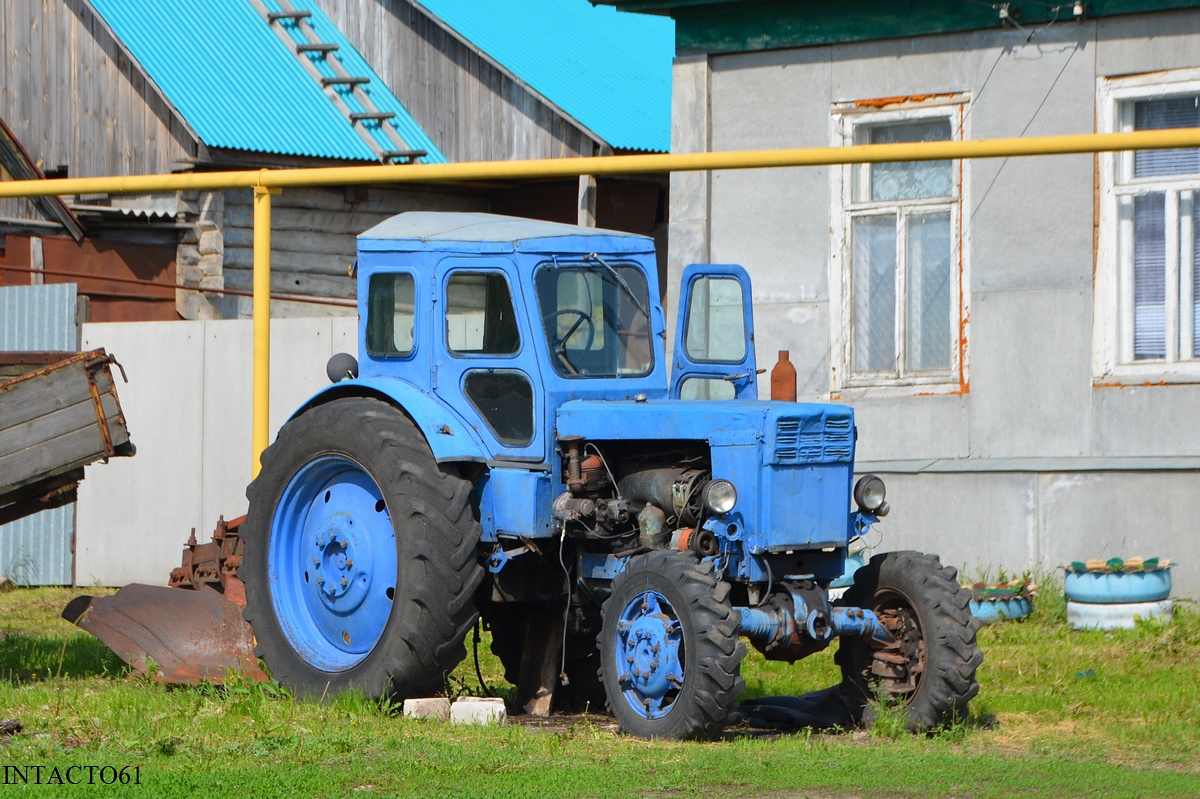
(478, 671)
(562, 542)
(173, 287)
(604, 463)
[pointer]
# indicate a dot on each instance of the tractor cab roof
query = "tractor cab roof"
(492, 233)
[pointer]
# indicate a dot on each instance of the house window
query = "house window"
(898, 253)
(1149, 227)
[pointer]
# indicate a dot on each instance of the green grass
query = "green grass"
(1060, 714)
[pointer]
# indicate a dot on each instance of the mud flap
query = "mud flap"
(191, 636)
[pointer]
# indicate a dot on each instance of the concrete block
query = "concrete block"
(911, 428)
(1145, 420)
(187, 255)
(1140, 43)
(478, 710)
(1085, 515)
(802, 328)
(1031, 380)
(900, 67)
(973, 521)
(211, 264)
(211, 242)
(436, 708)
(738, 84)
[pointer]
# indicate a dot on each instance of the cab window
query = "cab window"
(390, 315)
(595, 315)
(479, 315)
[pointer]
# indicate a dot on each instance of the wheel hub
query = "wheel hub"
(650, 654)
(339, 573)
(331, 537)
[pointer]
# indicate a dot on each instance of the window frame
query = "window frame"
(845, 118)
(1113, 304)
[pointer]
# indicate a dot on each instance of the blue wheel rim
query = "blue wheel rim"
(650, 655)
(331, 563)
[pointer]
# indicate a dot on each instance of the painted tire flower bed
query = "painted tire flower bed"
(1107, 594)
(1116, 581)
(1002, 601)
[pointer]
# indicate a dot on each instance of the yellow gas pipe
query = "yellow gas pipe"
(270, 181)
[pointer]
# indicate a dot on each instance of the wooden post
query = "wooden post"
(37, 262)
(540, 663)
(587, 200)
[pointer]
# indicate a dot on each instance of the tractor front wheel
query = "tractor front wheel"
(360, 564)
(930, 673)
(669, 650)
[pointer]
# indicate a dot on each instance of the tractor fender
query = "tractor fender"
(449, 435)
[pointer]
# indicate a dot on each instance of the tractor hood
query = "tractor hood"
(784, 432)
(792, 463)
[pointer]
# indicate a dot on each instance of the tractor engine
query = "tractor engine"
(633, 502)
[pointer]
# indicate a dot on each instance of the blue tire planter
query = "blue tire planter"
(991, 610)
(1111, 616)
(1118, 588)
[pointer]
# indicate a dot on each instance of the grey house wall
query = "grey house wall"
(1036, 462)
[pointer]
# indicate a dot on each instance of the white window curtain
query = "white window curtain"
(1159, 223)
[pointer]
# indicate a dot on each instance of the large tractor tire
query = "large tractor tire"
(931, 676)
(669, 650)
(360, 564)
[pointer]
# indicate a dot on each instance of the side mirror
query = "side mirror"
(342, 366)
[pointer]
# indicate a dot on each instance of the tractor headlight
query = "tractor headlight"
(869, 493)
(720, 496)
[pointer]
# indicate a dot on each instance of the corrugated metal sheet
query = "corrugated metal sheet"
(377, 90)
(237, 84)
(37, 317)
(36, 550)
(609, 70)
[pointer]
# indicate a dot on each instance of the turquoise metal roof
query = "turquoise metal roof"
(610, 71)
(240, 88)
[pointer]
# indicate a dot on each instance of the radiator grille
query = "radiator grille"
(817, 439)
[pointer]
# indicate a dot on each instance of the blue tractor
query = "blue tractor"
(508, 445)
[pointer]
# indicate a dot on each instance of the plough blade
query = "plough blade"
(191, 636)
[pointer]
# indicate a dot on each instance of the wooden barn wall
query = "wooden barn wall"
(313, 234)
(74, 99)
(472, 110)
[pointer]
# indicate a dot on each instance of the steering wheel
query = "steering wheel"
(559, 344)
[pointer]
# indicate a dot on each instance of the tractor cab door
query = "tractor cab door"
(714, 335)
(484, 365)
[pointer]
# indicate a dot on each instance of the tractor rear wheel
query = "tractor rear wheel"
(669, 650)
(360, 563)
(931, 674)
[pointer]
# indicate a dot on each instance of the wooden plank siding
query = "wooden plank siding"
(473, 110)
(313, 234)
(74, 98)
